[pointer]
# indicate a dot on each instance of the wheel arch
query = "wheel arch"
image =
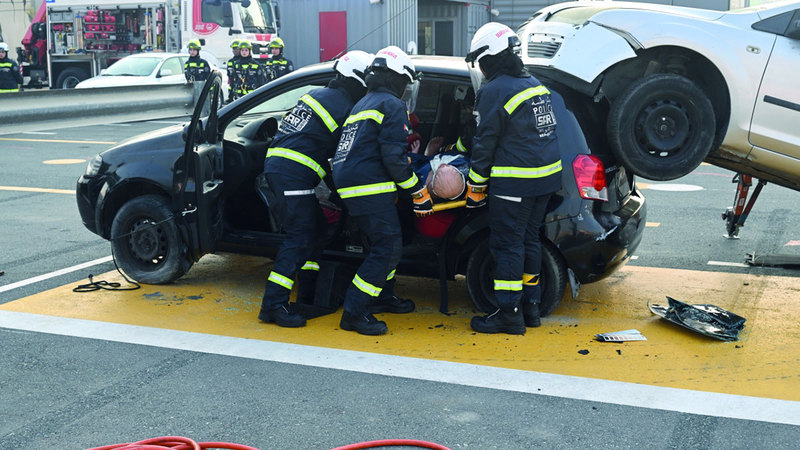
(681, 61)
(114, 199)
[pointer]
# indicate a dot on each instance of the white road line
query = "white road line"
(38, 132)
(727, 264)
(589, 389)
(54, 274)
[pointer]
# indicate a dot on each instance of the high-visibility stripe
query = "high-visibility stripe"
(507, 285)
(9, 90)
(526, 172)
(191, 64)
(367, 189)
(369, 114)
(477, 178)
(298, 192)
(460, 146)
(365, 287)
(281, 280)
(409, 183)
(391, 275)
(6, 64)
(311, 265)
(298, 158)
(517, 100)
(321, 112)
(530, 279)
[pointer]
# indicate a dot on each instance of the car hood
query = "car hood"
(164, 139)
(116, 81)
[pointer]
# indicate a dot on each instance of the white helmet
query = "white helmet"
(4, 47)
(491, 39)
(396, 60)
(353, 64)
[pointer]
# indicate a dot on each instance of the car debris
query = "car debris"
(709, 320)
(773, 260)
(621, 336)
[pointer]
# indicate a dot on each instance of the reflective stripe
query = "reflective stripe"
(280, 280)
(530, 280)
(507, 285)
(517, 100)
(365, 287)
(367, 189)
(526, 172)
(391, 275)
(409, 183)
(9, 90)
(375, 115)
(321, 112)
(294, 193)
(460, 146)
(6, 64)
(477, 178)
(311, 265)
(195, 64)
(298, 158)
(511, 199)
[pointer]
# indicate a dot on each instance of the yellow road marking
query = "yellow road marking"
(652, 224)
(64, 161)
(58, 141)
(764, 363)
(30, 189)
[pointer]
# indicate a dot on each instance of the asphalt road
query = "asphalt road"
(59, 391)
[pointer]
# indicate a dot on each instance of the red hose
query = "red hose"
(173, 443)
(393, 442)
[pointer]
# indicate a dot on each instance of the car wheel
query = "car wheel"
(661, 127)
(480, 279)
(146, 242)
(70, 77)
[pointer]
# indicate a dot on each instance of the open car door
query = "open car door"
(199, 182)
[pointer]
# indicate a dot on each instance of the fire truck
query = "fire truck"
(72, 40)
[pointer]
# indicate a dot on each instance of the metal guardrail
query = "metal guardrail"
(38, 110)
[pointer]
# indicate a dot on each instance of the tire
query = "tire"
(70, 77)
(661, 127)
(480, 275)
(149, 247)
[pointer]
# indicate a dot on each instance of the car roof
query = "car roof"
(156, 54)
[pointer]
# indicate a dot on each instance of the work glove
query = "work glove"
(423, 205)
(476, 195)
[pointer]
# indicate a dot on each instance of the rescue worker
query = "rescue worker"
(277, 64)
(369, 164)
(195, 68)
(10, 77)
(296, 162)
(231, 66)
(249, 73)
(514, 148)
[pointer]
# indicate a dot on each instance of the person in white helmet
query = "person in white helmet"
(10, 77)
(515, 151)
(369, 165)
(296, 162)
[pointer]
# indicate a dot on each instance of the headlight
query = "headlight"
(94, 166)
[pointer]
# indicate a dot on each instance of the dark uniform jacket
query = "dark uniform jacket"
(515, 143)
(308, 136)
(10, 78)
(278, 66)
(371, 161)
(232, 78)
(196, 69)
(250, 75)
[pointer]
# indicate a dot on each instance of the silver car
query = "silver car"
(674, 86)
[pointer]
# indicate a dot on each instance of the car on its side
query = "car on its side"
(673, 86)
(166, 198)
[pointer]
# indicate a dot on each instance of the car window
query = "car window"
(576, 16)
(282, 102)
(172, 66)
(136, 67)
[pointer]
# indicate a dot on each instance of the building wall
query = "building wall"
(467, 17)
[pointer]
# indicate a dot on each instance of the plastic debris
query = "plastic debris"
(708, 320)
(621, 336)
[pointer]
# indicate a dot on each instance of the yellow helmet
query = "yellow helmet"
(276, 43)
(195, 44)
(244, 43)
(235, 43)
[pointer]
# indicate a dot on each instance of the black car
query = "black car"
(166, 198)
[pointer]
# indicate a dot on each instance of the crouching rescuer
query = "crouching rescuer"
(369, 165)
(515, 154)
(296, 162)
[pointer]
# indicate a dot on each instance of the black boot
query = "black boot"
(306, 285)
(364, 324)
(531, 313)
(283, 317)
(392, 304)
(504, 320)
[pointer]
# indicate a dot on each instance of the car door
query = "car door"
(777, 111)
(199, 181)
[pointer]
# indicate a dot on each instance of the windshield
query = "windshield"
(133, 67)
(256, 19)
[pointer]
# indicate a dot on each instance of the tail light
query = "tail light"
(590, 175)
